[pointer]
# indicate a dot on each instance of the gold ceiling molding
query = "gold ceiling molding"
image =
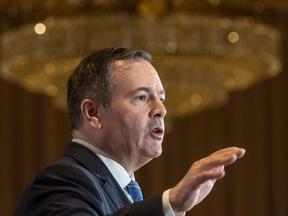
(199, 58)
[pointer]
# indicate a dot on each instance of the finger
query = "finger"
(208, 175)
(235, 150)
(229, 153)
(219, 168)
(241, 153)
(212, 162)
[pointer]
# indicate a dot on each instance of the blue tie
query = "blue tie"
(134, 191)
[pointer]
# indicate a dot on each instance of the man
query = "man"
(115, 104)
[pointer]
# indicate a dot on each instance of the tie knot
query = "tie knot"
(134, 191)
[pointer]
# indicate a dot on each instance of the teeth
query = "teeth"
(156, 130)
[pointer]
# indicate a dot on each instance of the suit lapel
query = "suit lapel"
(95, 165)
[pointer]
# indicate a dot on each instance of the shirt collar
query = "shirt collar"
(118, 171)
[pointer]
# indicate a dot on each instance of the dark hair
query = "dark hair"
(92, 79)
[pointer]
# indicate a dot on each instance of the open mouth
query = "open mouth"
(158, 130)
(157, 133)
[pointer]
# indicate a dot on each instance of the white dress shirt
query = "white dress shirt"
(122, 177)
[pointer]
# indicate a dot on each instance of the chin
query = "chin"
(159, 152)
(154, 154)
(151, 150)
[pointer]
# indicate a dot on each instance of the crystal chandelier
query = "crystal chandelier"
(200, 59)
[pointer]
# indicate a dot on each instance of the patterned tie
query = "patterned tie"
(134, 191)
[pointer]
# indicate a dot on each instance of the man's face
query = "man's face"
(134, 122)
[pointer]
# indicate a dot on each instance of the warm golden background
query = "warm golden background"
(33, 133)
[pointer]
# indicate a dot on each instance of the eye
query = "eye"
(141, 97)
(162, 100)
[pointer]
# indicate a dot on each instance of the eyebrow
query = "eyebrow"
(147, 89)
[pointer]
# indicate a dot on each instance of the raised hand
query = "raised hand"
(201, 177)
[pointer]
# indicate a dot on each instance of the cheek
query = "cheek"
(130, 122)
(136, 116)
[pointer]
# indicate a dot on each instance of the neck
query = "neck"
(131, 163)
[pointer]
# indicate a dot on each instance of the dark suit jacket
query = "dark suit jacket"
(79, 183)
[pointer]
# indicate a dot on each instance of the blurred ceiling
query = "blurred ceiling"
(17, 12)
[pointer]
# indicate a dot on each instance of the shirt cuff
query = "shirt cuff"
(168, 211)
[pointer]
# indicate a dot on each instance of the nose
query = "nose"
(158, 110)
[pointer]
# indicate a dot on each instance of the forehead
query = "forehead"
(134, 72)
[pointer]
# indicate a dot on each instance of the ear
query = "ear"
(90, 113)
